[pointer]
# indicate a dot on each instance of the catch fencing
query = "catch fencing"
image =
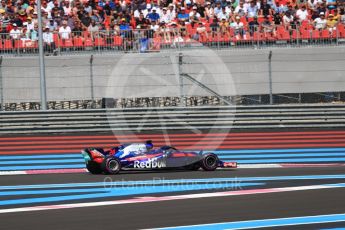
(165, 39)
(203, 77)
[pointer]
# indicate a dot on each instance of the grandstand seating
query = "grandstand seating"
(282, 33)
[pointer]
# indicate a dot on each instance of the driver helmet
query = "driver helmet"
(149, 145)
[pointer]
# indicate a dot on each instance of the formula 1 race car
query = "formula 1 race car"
(137, 156)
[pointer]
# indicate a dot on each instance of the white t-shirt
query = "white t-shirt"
(67, 10)
(237, 25)
(238, 8)
(172, 14)
(29, 26)
(165, 18)
(65, 32)
(136, 13)
(15, 34)
(191, 14)
(154, 27)
(302, 15)
(287, 20)
(48, 37)
(320, 23)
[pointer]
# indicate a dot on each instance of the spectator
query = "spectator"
(320, 22)
(182, 15)
(48, 40)
(57, 11)
(277, 19)
(224, 13)
(253, 26)
(315, 14)
(331, 4)
(322, 8)
(17, 20)
(34, 33)
(240, 9)
(200, 31)
(302, 14)
(15, 33)
(265, 9)
(214, 27)
(331, 23)
(171, 12)
(268, 27)
(336, 16)
(288, 20)
(209, 11)
(29, 24)
(252, 10)
(312, 4)
(342, 16)
(194, 15)
(46, 9)
(52, 25)
(65, 31)
(137, 13)
(3, 6)
(85, 18)
(223, 27)
(154, 26)
(87, 7)
(125, 29)
(77, 30)
(291, 9)
(67, 9)
(153, 16)
(96, 16)
(93, 29)
(238, 27)
(217, 9)
(165, 16)
(201, 9)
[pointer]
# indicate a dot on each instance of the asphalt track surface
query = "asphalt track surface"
(187, 211)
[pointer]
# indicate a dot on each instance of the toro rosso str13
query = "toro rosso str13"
(143, 156)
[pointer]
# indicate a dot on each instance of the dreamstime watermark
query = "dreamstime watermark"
(161, 184)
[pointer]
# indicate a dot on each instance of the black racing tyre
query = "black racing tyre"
(193, 167)
(209, 162)
(93, 167)
(111, 165)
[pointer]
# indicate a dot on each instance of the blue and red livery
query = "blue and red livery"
(136, 156)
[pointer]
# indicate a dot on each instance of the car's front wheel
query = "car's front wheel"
(111, 165)
(209, 162)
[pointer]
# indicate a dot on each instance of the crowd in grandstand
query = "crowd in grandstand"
(84, 20)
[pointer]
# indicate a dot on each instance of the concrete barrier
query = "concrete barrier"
(183, 118)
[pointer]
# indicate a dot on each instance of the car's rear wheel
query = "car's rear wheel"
(93, 167)
(111, 165)
(209, 162)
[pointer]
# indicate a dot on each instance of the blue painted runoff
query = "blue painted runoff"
(266, 223)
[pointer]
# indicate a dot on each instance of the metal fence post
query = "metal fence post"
(270, 75)
(182, 96)
(2, 107)
(42, 66)
(91, 83)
